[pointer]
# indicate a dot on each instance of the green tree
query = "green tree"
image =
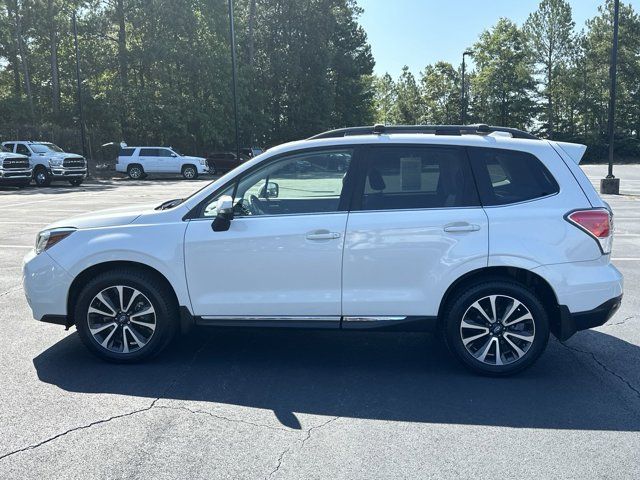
(441, 94)
(408, 109)
(503, 85)
(550, 31)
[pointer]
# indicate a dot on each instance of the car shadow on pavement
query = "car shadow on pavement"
(403, 377)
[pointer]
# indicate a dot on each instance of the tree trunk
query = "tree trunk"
(549, 101)
(123, 65)
(53, 45)
(13, 54)
(25, 63)
(252, 20)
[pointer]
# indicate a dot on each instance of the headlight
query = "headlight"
(48, 238)
(55, 162)
(203, 162)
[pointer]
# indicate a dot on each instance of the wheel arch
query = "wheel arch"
(536, 283)
(83, 277)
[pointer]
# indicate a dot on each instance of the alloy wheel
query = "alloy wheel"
(121, 319)
(497, 330)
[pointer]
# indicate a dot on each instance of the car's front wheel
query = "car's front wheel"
(125, 316)
(42, 177)
(496, 328)
(189, 172)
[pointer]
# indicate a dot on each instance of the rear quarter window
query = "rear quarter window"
(126, 152)
(508, 176)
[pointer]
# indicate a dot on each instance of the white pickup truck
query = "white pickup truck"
(137, 162)
(49, 162)
(14, 169)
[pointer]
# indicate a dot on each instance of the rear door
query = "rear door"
(416, 225)
(149, 159)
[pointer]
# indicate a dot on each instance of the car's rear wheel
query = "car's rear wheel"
(135, 172)
(125, 316)
(189, 172)
(42, 177)
(496, 328)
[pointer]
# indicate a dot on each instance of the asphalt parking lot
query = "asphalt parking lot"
(287, 404)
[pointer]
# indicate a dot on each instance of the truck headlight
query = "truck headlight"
(55, 162)
(48, 238)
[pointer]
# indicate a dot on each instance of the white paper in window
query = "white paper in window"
(411, 173)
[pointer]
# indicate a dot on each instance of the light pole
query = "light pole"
(611, 184)
(80, 112)
(463, 95)
(234, 75)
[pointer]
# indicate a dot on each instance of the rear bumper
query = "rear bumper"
(571, 323)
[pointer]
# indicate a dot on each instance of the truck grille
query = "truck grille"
(15, 164)
(73, 163)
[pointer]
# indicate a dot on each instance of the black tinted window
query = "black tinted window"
(126, 152)
(163, 152)
(9, 147)
(22, 149)
(418, 177)
(149, 152)
(507, 176)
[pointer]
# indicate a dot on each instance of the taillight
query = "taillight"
(596, 222)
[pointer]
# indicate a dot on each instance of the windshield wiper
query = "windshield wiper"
(170, 204)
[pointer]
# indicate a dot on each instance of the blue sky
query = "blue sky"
(419, 32)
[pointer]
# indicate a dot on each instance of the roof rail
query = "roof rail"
(378, 129)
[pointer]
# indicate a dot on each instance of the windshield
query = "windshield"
(45, 148)
(175, 150)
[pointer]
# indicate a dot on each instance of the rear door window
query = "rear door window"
(509, 176)
(149, 152)
(9, 146)
(410, 177)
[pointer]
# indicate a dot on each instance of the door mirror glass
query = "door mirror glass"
(270, 190)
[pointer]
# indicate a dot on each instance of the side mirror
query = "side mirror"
(224, 207)
(174, 155)
(270, 190)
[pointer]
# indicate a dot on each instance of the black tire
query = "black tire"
(76, 182)
(213, 170)
(136, 172)
(155, 292)
(500, 337)
(189, 172)
(42, 177)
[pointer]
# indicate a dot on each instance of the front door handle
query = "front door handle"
(461, 227)
(322, 235)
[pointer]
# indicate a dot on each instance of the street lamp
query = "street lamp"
(234, 75)
(75, 42)
(611, 184)
(463, 95)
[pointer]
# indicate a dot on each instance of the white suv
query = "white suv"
(137, 162)
(492, 237)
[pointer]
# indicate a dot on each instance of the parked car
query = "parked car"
(49, 162)
(221, 162)
(138, 162)
(490, 236)
(14, 169)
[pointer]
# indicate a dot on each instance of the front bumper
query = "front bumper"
(15, 174)
(46, 285)
(571, 323)
(61, 172)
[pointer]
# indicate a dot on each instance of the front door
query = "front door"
(282, 255)
(416, 226)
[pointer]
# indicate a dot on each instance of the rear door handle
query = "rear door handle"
(322, 235)
(461, 227)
